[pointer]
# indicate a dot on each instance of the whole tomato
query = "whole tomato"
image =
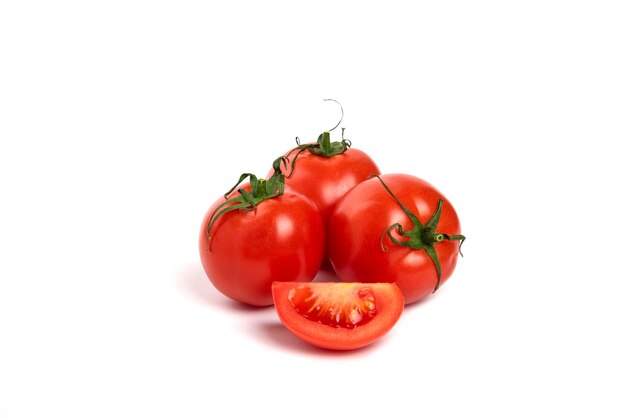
(395, 228)
(260, 234)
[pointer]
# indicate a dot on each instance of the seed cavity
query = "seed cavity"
(340, 306)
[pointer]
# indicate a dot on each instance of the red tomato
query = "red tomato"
(325, 180)
(338, 316)
(282, 239)
(369, 229)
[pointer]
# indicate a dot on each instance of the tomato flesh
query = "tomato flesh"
(338, 316)
(337, 306)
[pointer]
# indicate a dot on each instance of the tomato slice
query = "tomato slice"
(338, 316)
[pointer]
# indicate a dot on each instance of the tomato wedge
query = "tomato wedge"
(338, 316)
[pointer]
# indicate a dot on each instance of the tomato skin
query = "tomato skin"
(362, 216)
(281, 240)
(389, 307)
(325, 180)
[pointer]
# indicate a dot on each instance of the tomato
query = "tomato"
(411, 239)
(338, 316)
(245, 248)
(325, 180)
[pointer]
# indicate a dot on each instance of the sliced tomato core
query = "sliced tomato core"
(340, 306)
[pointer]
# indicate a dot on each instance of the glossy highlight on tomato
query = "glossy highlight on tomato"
(338, 316)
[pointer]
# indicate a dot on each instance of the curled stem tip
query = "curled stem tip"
(341, 107)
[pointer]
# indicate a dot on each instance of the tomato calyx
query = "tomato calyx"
(260, 190)
(421, 236)
(324, 147)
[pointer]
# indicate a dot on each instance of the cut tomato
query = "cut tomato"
(338, 316)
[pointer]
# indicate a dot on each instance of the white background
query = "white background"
(122, 121)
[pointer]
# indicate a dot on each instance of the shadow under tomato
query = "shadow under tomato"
(262, 323)
(275, 333)
(425, 301)
(326, 274)
(194, 284)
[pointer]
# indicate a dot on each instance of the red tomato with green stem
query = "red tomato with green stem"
(259, 234)
(395, 228)
(338, 316)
